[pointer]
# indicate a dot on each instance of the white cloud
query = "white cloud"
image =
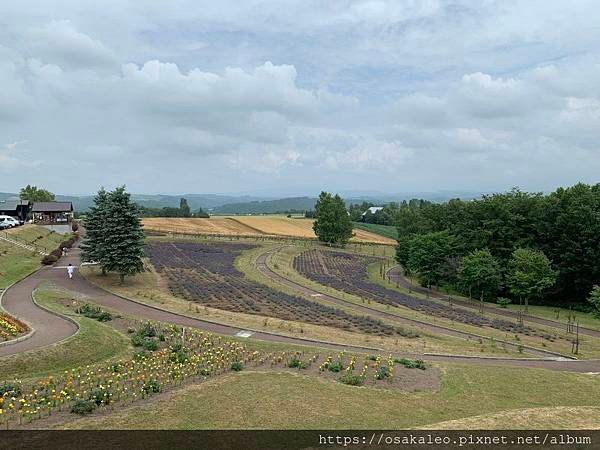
(215, 96)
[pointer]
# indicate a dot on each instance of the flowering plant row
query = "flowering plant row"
(10, 327)
(186, 355)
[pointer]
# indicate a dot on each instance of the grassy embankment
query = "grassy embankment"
(17, 262)
(270, 400)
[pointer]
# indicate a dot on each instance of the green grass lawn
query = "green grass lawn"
(94, 343)
(17, 262)
(382, 230)
(281, 400)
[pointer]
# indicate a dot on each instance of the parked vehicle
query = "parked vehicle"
(8, 222)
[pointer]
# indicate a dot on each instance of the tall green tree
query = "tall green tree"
(480, 273)
(184, 208)
(594, 300)
(332, 223)
(114, 237)
(429, 256)
(530, 274)
(96, 230)
(35, 194)
(120, 248)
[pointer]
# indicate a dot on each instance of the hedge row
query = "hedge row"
(57, 252)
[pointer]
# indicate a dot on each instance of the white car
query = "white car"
(8, 222)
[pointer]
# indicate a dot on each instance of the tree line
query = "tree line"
(530, 246)
(171, 211)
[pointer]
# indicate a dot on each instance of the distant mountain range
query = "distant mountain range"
(246, 204)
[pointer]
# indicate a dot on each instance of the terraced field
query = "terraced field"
(348, 272)
(205, 273)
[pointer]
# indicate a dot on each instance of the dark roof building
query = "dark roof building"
(15, 208)
(52, 207)
(52, 212)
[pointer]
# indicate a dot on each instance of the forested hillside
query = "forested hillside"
(434, 239)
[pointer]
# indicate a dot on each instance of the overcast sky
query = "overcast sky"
(298, 96)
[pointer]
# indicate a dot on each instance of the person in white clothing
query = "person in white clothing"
(70, 270)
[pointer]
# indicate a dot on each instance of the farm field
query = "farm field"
(544, 337)
(205, 273)
(387, 231)
(285, 226)
(252, 226)
(348, 273)
(217, 225)
(151, 288)
(284, 399)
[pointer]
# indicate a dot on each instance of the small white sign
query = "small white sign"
(244, 334)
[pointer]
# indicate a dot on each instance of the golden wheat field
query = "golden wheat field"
(222, 226)
(251, 226)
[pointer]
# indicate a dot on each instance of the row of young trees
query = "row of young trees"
(559, 232)
(184, 210)
(113, 234)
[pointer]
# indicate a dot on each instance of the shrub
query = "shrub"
(352, 380)
(12, 389)
(141, 355)
(151, 387)
(411, 363)
(295, 363)
(237, 366)
(100, 395)
(503, 302)
(49, 260)
(147, 330)
(382, 373)
(74, 226)
(336, 366)
(137, 340)
(150, 344)
(83, 407)
(179, 356)
(372, 358)
(94, 312)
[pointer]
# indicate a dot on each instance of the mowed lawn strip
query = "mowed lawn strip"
(283, 400)
(95, 343)
(549, 418)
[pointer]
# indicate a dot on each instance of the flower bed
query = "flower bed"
(185, 356)
(10, 327)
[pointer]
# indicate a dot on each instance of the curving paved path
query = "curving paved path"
(51, 328)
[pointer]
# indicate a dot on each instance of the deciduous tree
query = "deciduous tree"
(332, 223)
(530, 274)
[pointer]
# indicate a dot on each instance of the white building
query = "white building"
(373, 210)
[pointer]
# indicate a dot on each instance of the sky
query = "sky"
(293, 97)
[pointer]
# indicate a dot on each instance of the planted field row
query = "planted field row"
(206, 274)
(348, 273)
